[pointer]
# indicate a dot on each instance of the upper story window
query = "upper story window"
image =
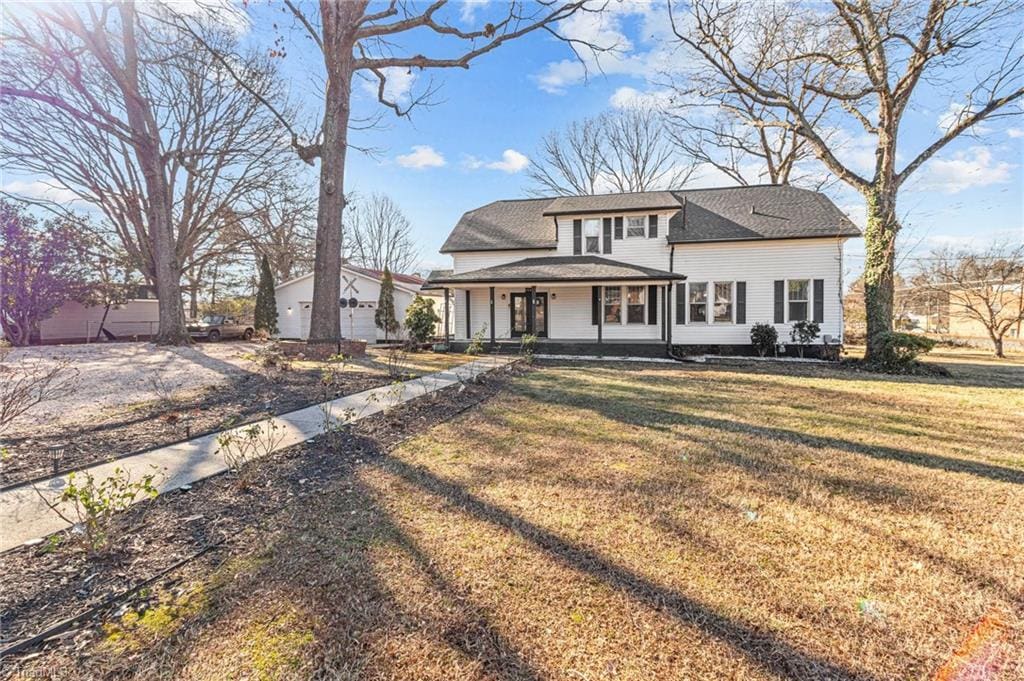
(592, 235)
(636, 227)
(798, 298)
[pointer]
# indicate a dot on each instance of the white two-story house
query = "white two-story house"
(637, 273)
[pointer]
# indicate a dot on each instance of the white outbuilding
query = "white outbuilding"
(360, 286)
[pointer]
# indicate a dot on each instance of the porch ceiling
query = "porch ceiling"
(554, 269)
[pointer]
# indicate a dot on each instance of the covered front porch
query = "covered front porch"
(579, 300)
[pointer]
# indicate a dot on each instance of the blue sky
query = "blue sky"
(472, 146)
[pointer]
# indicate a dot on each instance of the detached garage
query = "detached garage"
(360, 291)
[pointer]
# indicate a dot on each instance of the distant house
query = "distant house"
(135, 319)
(642, 271)
(360, 286)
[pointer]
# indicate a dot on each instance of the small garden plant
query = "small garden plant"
(764, 337)
(527, 345)
(241, 447)
(476, 345)
(803, 334)
(93, 503)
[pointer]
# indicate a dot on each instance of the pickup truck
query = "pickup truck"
(214, 327)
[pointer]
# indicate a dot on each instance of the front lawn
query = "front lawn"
(639, 522)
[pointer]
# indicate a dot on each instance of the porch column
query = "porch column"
(447, 334)
(600, 311)
(664, 310)
(530, 299)
(668, 312)
(492, 317)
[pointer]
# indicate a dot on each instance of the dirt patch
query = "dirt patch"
(130, 429)
(54, 581)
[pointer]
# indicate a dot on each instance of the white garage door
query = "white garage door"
(357, 323)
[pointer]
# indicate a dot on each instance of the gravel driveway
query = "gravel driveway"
(118, 374)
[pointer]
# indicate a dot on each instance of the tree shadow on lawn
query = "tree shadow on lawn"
(642, 414)
(762, 648)
(324, 562)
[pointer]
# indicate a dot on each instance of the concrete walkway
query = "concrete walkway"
(24, 516)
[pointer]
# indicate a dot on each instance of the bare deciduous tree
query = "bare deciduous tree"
(866, 60)
(984, 287)
(379, 236)
(357, 38)
(143, 124)
(622, 151)
(279, 222)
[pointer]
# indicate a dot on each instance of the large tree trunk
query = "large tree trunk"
(997, 342)
(166, 268)
(339, 23)
(879, 264)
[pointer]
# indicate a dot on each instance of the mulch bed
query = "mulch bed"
(56, 580)
(157, 423)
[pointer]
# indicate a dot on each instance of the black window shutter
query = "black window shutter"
(680, 303)
(607, 235)
(652, 226)
(577, 237)
(652, 304)
(618, 227)
(819, 300)
(595, 304)
(741, 302)
(780, 301)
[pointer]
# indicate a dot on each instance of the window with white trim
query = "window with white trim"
(723, 302)
(592, 235)
(798, 299)
(636, 227)
(612, 305)
(698, 302)
(635, 308)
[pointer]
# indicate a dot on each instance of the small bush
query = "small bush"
(897, 352)
(270, 358)
(241, 447)
(476, 345)
(803, 333)
(93, 504)
(764, 337)
(527, 345)
(420, 319)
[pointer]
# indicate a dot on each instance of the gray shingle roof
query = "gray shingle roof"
(722, 214)
(558, 268)
(759, 212)
(570, 205)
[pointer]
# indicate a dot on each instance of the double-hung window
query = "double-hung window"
(798, 299)
(635, 296)
(612, 305)
(636, 227)
(592, 235)
(723, 302)
(698, 302)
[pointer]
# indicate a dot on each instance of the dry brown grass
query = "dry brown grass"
(638, 523)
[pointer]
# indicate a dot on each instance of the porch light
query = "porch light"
(554, 296)
(289, 310)
(503, 296)
(56, 455)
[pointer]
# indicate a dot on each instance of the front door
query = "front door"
(527, 318)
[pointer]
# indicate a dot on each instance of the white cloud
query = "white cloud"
(398, 84)
(973, 167)
(512, 161)
(41, 190)
(1015, 133)
(957, 112)
(630, 98)
(468, 10)
(422, 156)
